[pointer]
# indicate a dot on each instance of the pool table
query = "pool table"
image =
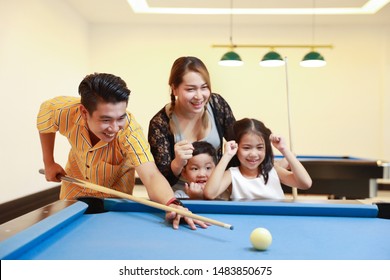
(342, 176)
(301, 230)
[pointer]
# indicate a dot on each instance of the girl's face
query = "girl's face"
(199, 169)
(192, 94)
(251, 153)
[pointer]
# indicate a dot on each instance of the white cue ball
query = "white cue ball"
(261, 238)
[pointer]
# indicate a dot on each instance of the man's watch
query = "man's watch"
(175, 201)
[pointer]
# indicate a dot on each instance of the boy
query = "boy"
(199, 168)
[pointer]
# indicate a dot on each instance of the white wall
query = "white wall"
(336, 110)
(43, 52)
(385, 76)
(46, 49)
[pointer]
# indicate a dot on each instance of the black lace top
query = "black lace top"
(162, 141)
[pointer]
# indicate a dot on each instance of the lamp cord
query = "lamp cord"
(231, 22)
(313, 23)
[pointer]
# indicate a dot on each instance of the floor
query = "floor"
(383, 196)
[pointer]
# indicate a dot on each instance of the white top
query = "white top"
(244, 188)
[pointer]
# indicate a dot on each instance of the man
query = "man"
(107, 144)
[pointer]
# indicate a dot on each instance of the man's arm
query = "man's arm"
(52, 169)
(156, 185)
(160, 191)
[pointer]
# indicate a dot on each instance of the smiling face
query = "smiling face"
(192, 94)
(199, 169)
(105, 121)
(251, 153)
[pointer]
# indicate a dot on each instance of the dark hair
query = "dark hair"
(102, 87)
(245, 126)
(203, 147)
(180, 67)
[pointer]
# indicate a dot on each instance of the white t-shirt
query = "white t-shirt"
(244, 188)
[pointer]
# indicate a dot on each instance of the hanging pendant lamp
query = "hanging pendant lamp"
(231, 58)
(272, 59)
(313, 59)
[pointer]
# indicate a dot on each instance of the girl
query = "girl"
(255, 176)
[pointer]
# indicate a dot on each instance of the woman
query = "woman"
(194, 114)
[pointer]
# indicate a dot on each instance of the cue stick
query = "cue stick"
(294, 190)
(150, 203)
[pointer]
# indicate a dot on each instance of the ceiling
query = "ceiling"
(119, 11)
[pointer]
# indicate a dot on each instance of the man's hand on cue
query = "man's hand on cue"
(175, 219)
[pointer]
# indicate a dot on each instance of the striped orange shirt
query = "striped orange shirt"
(106, 164)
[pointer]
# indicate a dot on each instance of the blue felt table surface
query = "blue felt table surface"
(127, 234)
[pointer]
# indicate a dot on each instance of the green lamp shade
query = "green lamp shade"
(272, 59)
(231, 59)
(313, 59)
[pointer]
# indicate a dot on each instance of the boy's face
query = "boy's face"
(106, 120)
(198, 169)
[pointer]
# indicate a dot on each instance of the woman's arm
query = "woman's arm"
(223, 114)
(161, 143)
